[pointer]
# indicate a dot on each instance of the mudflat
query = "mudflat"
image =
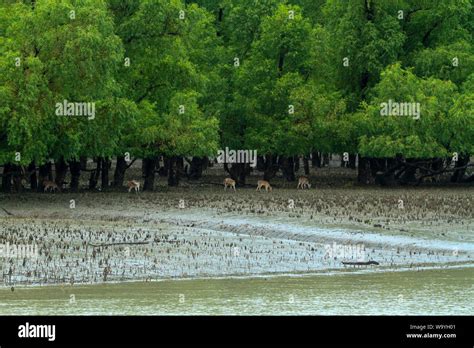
(194, 232)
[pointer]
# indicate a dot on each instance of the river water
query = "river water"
(445, 291)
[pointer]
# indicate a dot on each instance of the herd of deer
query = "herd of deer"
(53, 187)
(303, 182)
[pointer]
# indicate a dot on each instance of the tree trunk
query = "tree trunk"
(197, 166)
(75, 168)
(148, 166)
(343, 163)
(17, 178)
(94, 177)
(316, 159)
(459, 173)
(326, 159)
(385, 171)
(119, 173)
(45, 172)
(296, 160)
(174, 166)
(306, 165)
(83, 162)
(271, 167)
(7, 178)
(180, 166)
(105, 174)
(437, 164)
(408, 176)
(163, 171)
(33, 178)
(261, 163)
(363, 174)
(287, 166)
(238, 172)
(352, 160)
(61, 171)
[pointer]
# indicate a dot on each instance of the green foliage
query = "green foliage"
(250, 74)
(61, 54)
(173, 52)
(452, 62)
(426, 136)
(277, 64)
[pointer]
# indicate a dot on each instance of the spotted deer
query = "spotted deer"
(50, 186)
(265, 184)
(132, 184)
(230, 183)
(303, 182)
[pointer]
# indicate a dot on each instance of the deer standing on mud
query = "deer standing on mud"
(265, 184)
(430, 179)
(133, 185)
(303, 182)
(229, 182)
(50, 185)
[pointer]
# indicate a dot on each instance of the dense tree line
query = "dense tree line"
(178, 80)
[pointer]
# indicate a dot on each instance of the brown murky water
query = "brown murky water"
(425, 292)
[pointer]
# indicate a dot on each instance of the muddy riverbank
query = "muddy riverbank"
(206, 232)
